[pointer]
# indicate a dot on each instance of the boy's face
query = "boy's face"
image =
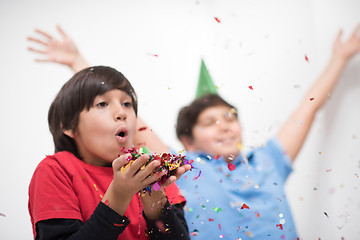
(216, 132)
(105, 128)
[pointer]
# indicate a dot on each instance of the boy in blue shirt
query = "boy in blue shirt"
(240, 196)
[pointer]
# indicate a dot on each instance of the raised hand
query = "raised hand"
(348, 48)
(63, 51)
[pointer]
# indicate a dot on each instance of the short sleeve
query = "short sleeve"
(51, 194)
(281, 160)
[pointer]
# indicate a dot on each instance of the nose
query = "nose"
(120, 113)
(222, 124)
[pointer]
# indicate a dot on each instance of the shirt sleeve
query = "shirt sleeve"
(281, 159)
(104, 224)
(170, 225)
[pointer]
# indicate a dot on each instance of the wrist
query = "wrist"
(79, 63)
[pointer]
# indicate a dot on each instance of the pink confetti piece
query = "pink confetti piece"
(219, 226)
(156, 186)
(231, 166)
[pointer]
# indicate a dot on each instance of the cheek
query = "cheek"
(204, 135)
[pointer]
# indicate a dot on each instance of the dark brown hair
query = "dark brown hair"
(79, 93)
(188, 115)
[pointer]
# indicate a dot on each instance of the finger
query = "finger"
(36, 50)
(150, 180)
(43, 33)
(356, 32)
(138, 163)
(150, 170)
(37, 41)
(121, 161)
(42, 60)
(61, 31)
(338, 37)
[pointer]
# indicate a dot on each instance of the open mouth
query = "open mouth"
(122, 133)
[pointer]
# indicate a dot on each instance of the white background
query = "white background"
(259, 43)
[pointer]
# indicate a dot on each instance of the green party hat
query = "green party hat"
(205, 83)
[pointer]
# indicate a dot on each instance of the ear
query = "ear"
(187, 143)
(69, 133)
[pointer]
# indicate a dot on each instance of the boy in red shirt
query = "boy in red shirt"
(82, 191)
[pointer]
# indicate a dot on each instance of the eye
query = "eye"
(101, 104)
(127, 104)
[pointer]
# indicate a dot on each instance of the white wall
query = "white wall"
(260, 43)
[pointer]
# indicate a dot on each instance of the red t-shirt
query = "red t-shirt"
(63, 186)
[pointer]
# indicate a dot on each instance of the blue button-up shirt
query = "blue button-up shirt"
(246, 203)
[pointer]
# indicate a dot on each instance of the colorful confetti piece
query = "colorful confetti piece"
(279, 226)
(217, 19)
(251, 87)
(231, 166)
(245, 206)
(306, 58)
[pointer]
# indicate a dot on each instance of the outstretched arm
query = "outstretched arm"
(63, 51)
(294, 132)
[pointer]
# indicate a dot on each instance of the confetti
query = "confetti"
(154, 55)
(219, 226)
(221, 236)
(311, 99)
(2, 215)
(258, 215)
(231, 166)
(168, 163)
(245, 206)
(279, 226)
(211, 219)
(156, 186)
(142, 128)
(326, 215)
(118, 225)
(217, 19)
(328, 170)
(251, 87)
(217, 209)
(306, 58)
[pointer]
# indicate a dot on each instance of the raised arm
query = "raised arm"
(63, 51)
(294, 132)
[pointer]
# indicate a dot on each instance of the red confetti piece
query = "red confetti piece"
(251, 87)
(216, 157)
(312, 99)
(245, 206)
(194, 234)
(118, 224)
(142, 128)
(306, 58)
(258, 215)
(219, 226)
(211, 219)
(217, 19)
(231, 166)
(279, 226)
(106, 202)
